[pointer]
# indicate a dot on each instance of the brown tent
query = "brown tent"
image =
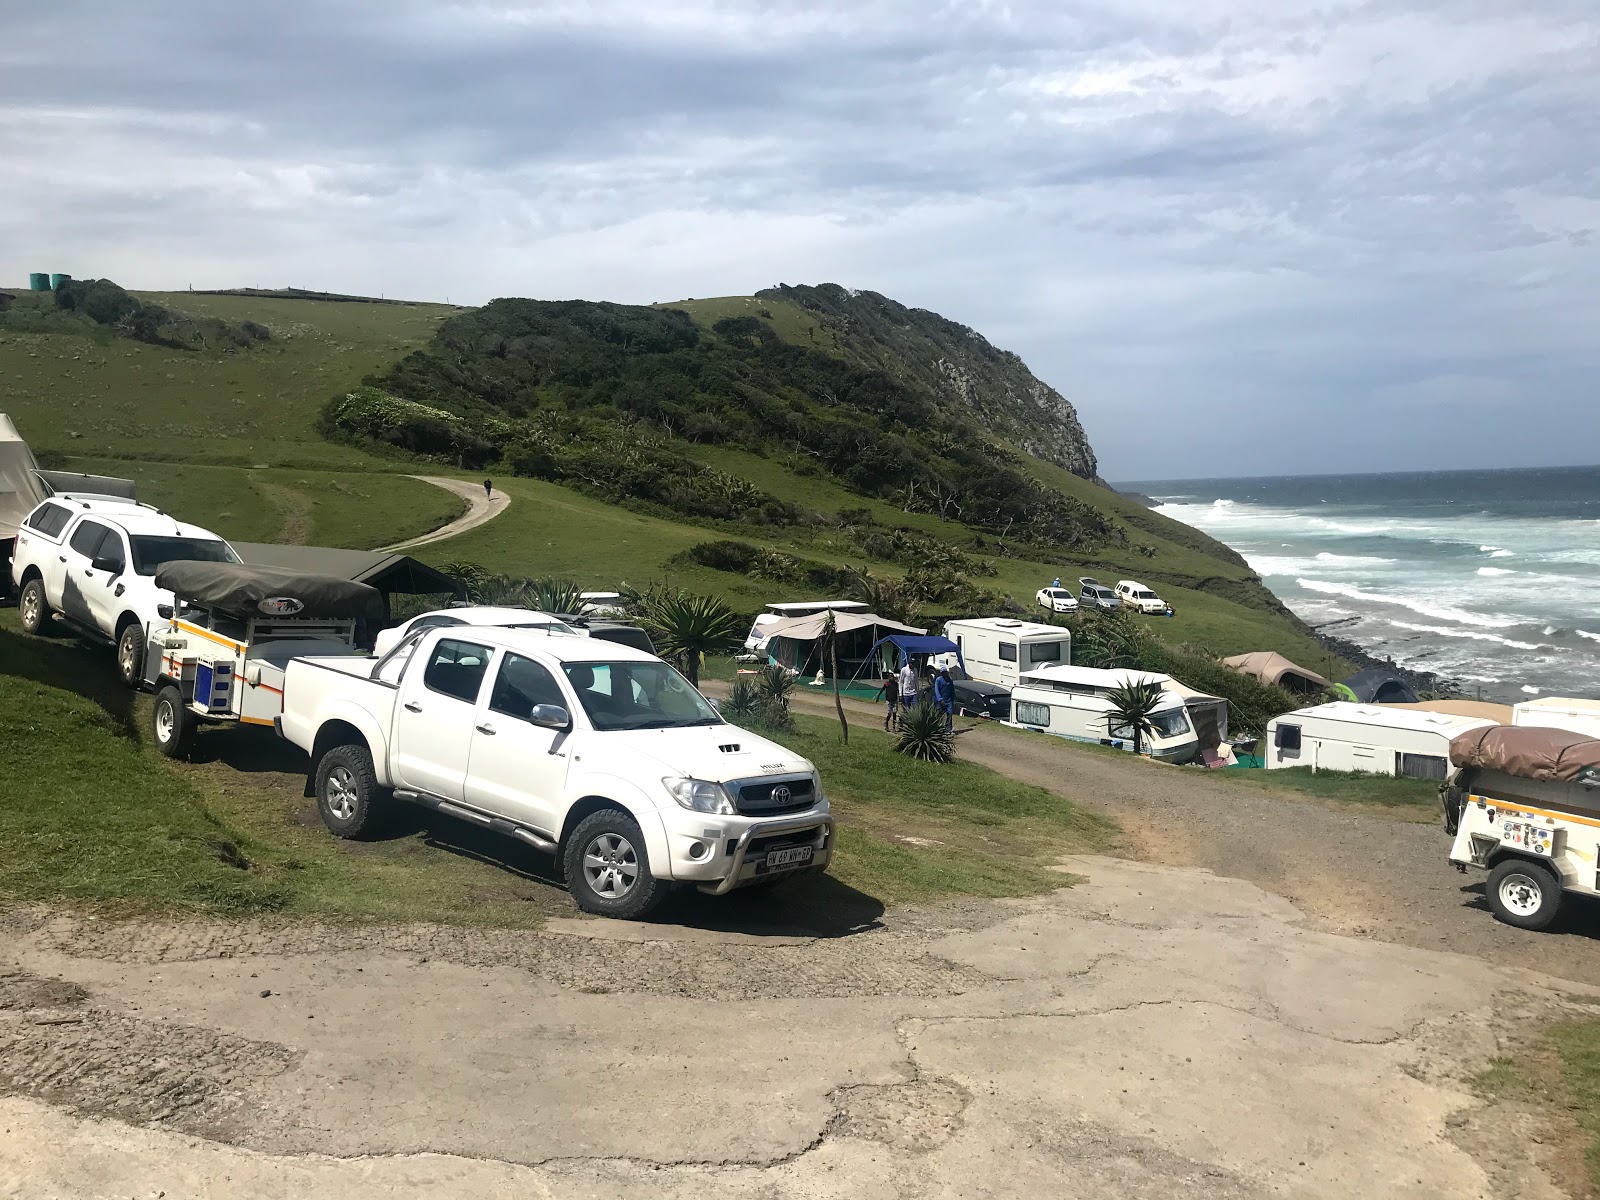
(1277, 671)
(1529, 753)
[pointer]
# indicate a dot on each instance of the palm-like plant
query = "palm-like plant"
(923, 735)
(686, 626)
(552, 595)
(743, 705)
(1132, 705)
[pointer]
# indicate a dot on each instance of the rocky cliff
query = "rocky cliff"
(956, 363)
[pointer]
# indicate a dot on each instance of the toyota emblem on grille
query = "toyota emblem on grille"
(781, 794)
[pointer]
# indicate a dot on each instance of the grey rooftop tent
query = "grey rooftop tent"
(255, 590)
(388, 573)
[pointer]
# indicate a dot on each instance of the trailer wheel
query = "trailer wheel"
(130, 655)
(349, 797)
(1523, 893)
(172, 724)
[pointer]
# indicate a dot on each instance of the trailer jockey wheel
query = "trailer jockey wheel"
(172, 724)
(1524, 893)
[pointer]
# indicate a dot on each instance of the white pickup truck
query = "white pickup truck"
(598, 753)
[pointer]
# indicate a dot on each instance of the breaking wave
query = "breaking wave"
(1495, 571)
(1439, 612)
(1472, 634)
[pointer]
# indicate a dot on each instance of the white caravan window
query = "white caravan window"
(1044, 652)
(1033, 714)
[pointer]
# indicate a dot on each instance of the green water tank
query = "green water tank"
(39, 281)
(57, 280)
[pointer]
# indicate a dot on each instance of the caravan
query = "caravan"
(999, 649)
(1559, 712)
(755, 641)
(1377, 739)
(1074, 702)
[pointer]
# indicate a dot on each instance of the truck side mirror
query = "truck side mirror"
(549, 716)
(109, 564)
(164, 611)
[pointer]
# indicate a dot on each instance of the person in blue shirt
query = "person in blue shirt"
(944, 698)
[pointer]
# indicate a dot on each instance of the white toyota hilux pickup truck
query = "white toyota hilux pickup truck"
(598, 753)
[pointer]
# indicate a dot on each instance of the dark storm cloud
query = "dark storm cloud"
(1253, 213)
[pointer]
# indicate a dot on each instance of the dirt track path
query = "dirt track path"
(1369, 872)
(481, 509)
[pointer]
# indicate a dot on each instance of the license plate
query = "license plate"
(785, 858)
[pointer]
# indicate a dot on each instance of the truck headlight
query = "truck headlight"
(700, 796)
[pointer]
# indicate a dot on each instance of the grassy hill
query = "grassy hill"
(741, 430)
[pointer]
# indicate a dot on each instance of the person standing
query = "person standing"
(908, 683)
(944, 698)
(890, 691)
(488, 489)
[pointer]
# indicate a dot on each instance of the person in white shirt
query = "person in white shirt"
(908, 684)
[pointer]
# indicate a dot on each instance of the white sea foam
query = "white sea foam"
(1530, 689)
(1502, 554)
(1426, 608)
(1475, 636)
(1584, 633)
(1495, 571)
(1222, 504)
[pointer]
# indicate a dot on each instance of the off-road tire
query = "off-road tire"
(1524, 893)
(172, 725)
(130, 655)
(36, 611)
(602, 831)
(351, 801)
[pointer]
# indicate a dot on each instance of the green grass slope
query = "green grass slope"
(230, 440)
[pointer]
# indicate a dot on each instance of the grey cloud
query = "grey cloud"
(1219, 205)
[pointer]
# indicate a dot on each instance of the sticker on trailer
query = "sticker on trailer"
(1525, 835)
(280, 606)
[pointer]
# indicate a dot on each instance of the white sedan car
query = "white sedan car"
(500, 618)
(1057, 600)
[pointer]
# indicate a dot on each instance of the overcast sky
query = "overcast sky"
(1243, 236)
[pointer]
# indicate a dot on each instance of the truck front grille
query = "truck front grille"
(766, 799)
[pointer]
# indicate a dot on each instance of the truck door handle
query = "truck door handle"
(63, 558)
(413, 706)
(486, 728)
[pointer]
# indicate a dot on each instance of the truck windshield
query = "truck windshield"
(150, 552)
(637, 695)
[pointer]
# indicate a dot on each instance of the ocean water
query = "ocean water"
(1489, 578)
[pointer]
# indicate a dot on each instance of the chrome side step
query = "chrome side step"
(534, 837)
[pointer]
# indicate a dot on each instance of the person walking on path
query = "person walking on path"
(908, 683)
(488, 489)
(944, 698)
(890, 691)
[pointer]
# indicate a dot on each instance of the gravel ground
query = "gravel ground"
(1369, 872)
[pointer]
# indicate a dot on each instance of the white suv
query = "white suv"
(1140, 598)
(89, 562)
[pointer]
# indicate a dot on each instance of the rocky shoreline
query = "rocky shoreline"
(1421, 682)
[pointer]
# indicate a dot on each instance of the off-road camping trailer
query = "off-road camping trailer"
(1376, 739)
(1001, 650)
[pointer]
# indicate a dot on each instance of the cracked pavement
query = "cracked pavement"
(1154, 1031)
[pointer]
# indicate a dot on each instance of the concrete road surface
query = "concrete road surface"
(1153, 1032)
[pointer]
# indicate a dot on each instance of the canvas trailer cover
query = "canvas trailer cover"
(1547, 755)
(250, 590)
